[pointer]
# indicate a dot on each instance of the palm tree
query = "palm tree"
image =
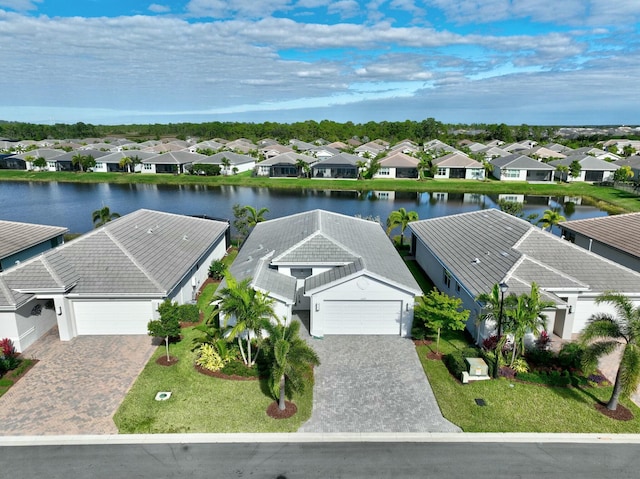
(255, 216)
(303, 168)
(103, 216)
(78, 160)
(524, 317)
(491, 306)
(292, 360)
(249, 308)
(400, 218)
(605, 332)
(550, 218)
(225, 163)
(126, 161)
(424, 164)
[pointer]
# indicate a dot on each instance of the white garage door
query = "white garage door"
(362, 317)
(112, 317)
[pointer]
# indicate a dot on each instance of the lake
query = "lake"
(71, 204)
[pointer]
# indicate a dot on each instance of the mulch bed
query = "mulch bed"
(289, 410)
(162, 360)
(221, 375)
(434, 356)
(620, 414)
(422, 342)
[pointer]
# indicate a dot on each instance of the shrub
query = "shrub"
(520, 366)
(217, 269)
(418, 332)
(7, 349)
(189, 313)
(455, 363)
(543, 341)
(470, 352)
(490, 343)
(570, 356)
(209, 358)
(540, 358)
(238, 368)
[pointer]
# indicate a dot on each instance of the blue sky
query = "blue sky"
(545, 62)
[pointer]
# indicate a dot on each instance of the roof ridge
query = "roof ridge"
(551, 268)
(51, 270)
(6, 291)
(132, 259)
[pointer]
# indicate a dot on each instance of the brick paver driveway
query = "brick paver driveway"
(371, 384)
(76, 386)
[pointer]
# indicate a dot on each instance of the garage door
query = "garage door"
(112, 317)
(362, 317)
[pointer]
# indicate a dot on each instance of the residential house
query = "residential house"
(342, 166)
(632, 162)
(111, 162)
(342, 271)
(565, 150)
(398, 165)
(205, 145)
(241, 145)
(174, 162)
(65, 161)
(112, 280)
(458, 166)
(323, 152)
(466, 254)
(407, 147)
(439, 148)
(614, 237)
(595, 152)
(21, 241)
(284, 165)
(301, 146)
(230, 162)
(271, 151)
(490, 152)
(592, 169)
(24, 161)
(543, 153)
(518, 167)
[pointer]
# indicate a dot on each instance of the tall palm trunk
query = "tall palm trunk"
(244, 356)
(281, 404)
(612, 405)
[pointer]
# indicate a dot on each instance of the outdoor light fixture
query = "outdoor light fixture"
(59, 310)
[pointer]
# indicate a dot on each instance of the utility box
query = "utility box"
(477, 367)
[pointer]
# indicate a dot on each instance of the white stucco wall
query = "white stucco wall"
(24, 328)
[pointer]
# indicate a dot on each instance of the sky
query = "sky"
(539, 62)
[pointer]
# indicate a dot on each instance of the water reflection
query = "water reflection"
(71, 204)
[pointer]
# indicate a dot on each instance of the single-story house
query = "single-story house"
(592, 169)
(64, 162)
(518, 167)
(343, 271)
(614, 237)
(111, 162)
(458, 166)
(110, 280)
(175, 162)
(632, 162)
(323, 152)
(398, 165)
(271, 151)
(342, 166)
(467, 254)
(21, 241)
(25, 160)
(439, 148)
(284, 165)
(230, 163)
(597, 152)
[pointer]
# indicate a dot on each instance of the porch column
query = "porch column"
(64, 316)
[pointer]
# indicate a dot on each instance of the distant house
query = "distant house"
(65, 161)
(595, 152)
(284, 165)
(398, 165)
(632, 162)
(24, 161)
(458, 166)
(271, 151)
(439, 148)
(112, 280)
(614, 237)
(466, 254)
(342, 166)
(230, 162)
(173, 162)
(323, 152)
(21, 241)
(592, 169)
(111, 162)
(518, 167)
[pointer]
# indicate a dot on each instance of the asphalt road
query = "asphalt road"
(323, 460)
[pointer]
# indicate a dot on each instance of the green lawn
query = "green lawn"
(200, 403)
(512, 406)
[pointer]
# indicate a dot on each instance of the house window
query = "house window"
(383, 172)
(447, 279)
(148, 166)
(442, 172)
(512, 173)
(457, 287)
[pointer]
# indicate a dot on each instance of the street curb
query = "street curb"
(318, 437)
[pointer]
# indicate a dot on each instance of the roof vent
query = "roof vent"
(504, 253)
(476, 260)
(150, 230)
(185, 237)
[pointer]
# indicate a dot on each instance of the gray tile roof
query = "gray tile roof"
(619, 231)
(587, 162)
(485, 247)
(339, 160)
(456, 160)
(520, 162)
(16, 237)
(290, 158)
(174, 158)
(46, 153)
(143, 253)
(234, 158)
(319, 237)
(399, 160)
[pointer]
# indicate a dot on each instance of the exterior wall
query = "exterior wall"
(187, 289)
(146, 168)
(243, 167)
(263, 170)
(9, 329)
(500, 174)
(32, 321)
(362, 288)
(9, 261)
(632, 262)
(474, 174)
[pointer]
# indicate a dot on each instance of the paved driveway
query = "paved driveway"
(76, 387)
(372, 384)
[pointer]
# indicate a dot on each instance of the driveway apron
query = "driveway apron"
(76, 387)
(372, 384)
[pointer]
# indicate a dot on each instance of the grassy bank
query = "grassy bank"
(610, 199)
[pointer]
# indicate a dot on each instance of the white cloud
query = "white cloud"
(239, 8)
(20, 5)
(156, 8)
